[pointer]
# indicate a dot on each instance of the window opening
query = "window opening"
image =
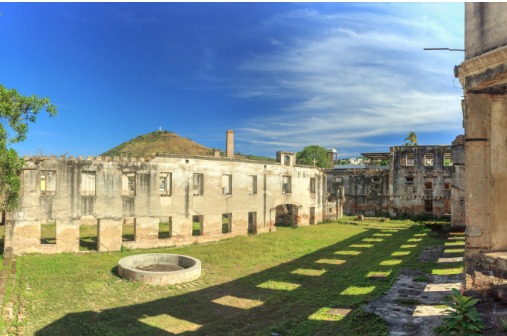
(286, 184)
(252, 222)
(312, 215)
(447, 186)
(165, 228)
(48, 181)
(409, 179)
(198, 184)
(429, 159)
(428, 205)
(165, 185)
(410, 161)
(253, 184)
(227, 223)
(128, 230)
(312, 185)
(226, 184)
(88, 233)
(128, 184)
(286, 160)
(428, 185)
(447, 159)
(48, 233)
(197, 225)
(88, 183)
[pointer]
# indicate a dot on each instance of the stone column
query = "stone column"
(109, 237)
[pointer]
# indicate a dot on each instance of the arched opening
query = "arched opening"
(286, 215)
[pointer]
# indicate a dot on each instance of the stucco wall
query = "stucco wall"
(485, 26)
(97, 190)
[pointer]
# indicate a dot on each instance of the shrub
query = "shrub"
(462, 318)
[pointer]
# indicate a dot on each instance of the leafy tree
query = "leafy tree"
(313, 155)
(16, 111)
(411, 139)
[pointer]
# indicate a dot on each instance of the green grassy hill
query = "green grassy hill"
(158, 143)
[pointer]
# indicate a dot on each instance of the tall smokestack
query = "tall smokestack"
(229, 144)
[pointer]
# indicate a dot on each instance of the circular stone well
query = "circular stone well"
(159, 268)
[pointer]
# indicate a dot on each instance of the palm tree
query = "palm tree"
(411, 139)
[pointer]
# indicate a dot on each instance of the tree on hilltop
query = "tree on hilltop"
(313, 155)
(16, 112)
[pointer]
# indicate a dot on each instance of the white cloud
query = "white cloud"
(351, 76)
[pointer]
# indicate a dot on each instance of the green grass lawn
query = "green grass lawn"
(283, 282)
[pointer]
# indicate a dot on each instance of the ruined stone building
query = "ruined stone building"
(483, 75)
(201, 198)
(420, 180)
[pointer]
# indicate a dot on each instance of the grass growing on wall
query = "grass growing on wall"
(284, 282)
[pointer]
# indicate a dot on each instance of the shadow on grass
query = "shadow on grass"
(288, 299)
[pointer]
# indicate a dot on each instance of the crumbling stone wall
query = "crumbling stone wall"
(366, 190)
(483, 76)
(111, 191)
(421, 180)
(458, 182)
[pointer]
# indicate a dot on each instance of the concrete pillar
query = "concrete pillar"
(229, 145)
(498, 172)
(109, 237)
(67, 236)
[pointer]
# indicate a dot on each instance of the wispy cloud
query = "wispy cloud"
(350, 76)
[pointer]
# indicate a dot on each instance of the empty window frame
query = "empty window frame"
(428, 206)
(48, 233)
(409, 179)
(197, 225)
(286, 160)
(227, 223)
(128, 229)
(165, 228)
(88, 183)
(447, 159)
(252, 222)
(48, 181)
(166, 184)
(286, 184)
(252, 184)
(428, 185)
(312, 185)
(128, 184)
(376, 179)
(409, 160)
(198, 184)
(447, 186)
(226, 184)
(429, 159)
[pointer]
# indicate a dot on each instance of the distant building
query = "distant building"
(417, 181)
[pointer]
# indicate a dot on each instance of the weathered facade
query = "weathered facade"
(420, 180)
(179, 190)
(365, 190)
(483, 76)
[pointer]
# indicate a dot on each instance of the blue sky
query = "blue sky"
(352, 76)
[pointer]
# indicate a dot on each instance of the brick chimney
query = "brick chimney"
(229, 144)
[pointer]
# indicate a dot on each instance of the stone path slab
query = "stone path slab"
(414, 308)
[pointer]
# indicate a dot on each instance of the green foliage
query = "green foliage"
(313, 155)
(462, 318)
(16, 111)
(411, 139)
